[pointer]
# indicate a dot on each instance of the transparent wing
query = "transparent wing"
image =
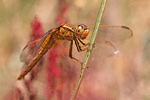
(31, 49)
(103, 49)
(114, 33)
(107, 37)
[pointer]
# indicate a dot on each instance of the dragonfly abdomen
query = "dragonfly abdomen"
(42, 51)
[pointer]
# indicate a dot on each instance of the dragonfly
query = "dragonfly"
(34, 51)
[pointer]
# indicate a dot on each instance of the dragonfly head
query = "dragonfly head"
(82, 31)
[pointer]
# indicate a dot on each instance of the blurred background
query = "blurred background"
(125, 77)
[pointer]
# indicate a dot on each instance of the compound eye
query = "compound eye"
(78, 31)
(80, 26)
(85, 34)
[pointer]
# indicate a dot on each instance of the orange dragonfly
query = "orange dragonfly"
(73, 33)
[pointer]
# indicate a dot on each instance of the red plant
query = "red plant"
(54, 72)
(36, 33)
(37, 30)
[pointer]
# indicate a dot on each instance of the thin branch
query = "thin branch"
(87, 56)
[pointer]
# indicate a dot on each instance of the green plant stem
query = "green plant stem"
(92, 41)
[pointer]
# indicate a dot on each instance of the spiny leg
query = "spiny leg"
(77, 44)
(84, 44)
(70, 53)
(79, 47)
(81, 41)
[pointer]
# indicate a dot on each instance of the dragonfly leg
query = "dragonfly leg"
(81, 42)
(70, 53)
(77, 44)
(84, 45)
(79, 48)
(87, 47)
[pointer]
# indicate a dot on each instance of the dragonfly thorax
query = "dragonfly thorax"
(81, 31)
